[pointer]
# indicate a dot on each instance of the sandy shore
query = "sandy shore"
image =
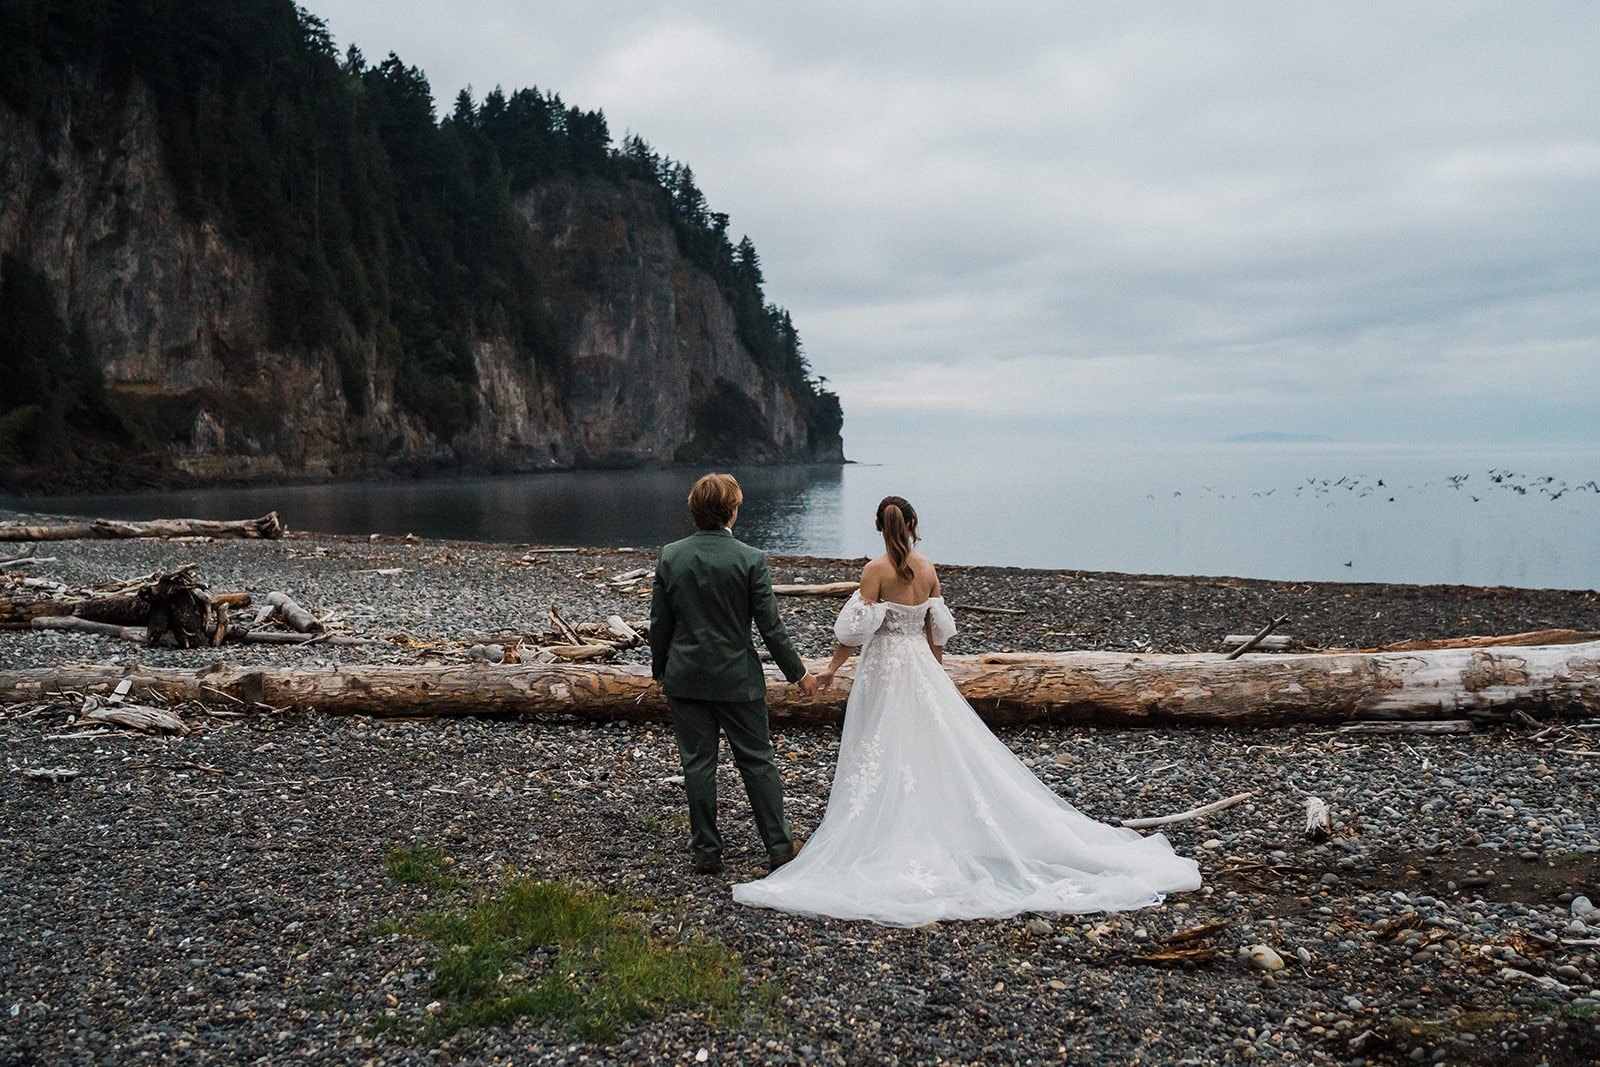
(224, 897)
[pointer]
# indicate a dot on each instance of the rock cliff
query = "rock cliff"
(653, 368)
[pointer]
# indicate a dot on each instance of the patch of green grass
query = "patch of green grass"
(1586, 1012)
(321, 1000)
(1469, 1022)
(764, 1012)
(424, 865)
(556, 952)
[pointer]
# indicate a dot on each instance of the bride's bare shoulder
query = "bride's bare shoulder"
(877, 568)
(873, 575)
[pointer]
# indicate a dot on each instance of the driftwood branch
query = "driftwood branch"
(139, 717)
(49, 774)
(279, 637)
(135, 716)
(627, 634)
(1192, 813)
(1442, 726)
(25, 558)
(1259, 637)
(1319, 820)
(267, 526)
(294, 616)
(88, 626)
(560, 626)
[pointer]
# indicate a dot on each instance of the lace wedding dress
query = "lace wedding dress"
(932, 817)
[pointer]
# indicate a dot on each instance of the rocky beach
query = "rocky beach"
(232, 895)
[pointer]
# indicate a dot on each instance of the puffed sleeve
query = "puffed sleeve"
(858, 621)
(941, 624)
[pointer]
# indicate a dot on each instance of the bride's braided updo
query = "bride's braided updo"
(898, 521)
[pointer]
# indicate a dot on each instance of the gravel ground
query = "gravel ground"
(223, 897)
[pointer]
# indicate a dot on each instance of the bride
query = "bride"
(931, 816)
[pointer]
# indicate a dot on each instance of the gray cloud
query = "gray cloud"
(1357, 217)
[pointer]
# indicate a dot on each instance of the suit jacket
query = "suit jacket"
(708, 589)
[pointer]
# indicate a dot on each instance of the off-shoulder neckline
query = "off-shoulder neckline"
(897, 604)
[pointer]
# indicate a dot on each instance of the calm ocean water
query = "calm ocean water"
(1316, 512)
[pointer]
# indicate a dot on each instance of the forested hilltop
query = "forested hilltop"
(231, 251)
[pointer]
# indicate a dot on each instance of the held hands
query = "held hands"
(825, 678)
(808, 684)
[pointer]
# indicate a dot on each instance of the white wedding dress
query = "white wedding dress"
(932, 817)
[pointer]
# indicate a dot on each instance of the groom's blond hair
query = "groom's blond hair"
(714, 499)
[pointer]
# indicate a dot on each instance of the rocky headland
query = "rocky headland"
(288, 265)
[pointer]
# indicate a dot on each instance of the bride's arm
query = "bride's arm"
(840, 654)
(871, 585)
(927, 624)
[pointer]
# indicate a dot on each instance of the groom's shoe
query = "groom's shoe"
(776, 860)
(708, 865)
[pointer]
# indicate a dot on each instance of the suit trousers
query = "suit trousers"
(697, 724)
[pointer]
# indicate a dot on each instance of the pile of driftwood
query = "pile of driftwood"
(175, 608)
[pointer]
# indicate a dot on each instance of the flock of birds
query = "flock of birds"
(1499, 479)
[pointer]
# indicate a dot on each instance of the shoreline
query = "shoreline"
(463, 590)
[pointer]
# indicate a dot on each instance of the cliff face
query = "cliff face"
(654, 370)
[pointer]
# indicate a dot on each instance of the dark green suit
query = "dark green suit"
(708, 589)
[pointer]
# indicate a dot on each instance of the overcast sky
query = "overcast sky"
(1362, 221)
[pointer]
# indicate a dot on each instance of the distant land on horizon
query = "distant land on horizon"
(1276, 437)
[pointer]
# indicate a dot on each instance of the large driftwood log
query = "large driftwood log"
(266, 526)
(826, 589)
(1530, 637)
(122, 610)
(165, 597)
(1067, 687)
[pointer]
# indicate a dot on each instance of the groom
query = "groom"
(708, 588)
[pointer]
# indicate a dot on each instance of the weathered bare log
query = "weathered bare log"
(88, 626)
(625, 633)
(1531, 637)
(1085, 687)
(294, 616)
(279, 637)
(31, 556)
(122, 610)
(1440, 726)
(1272, 643)
(119, 610)
(267, 526)
(1319, 820)
(826, 589)
(137, 717)
(580, 652)
(1259, 637)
